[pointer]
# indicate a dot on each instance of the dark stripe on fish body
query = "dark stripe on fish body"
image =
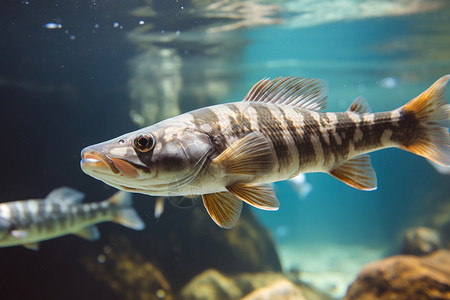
(326, 149)
(65, 219)
(408, 129)
(80, 213)
(346, 128)
(26, 211)
(241, 125)
(104, 208)
(70, 216)
(93, 208)
(207, 116)
(312, 128)
(56, 215)
(373, 131)
(47, 223)
(306, 152)
(327, 138)
(90, 212)
(271, 127)
(14, 212)
(40, 216)
(298, 139)
(346, 133)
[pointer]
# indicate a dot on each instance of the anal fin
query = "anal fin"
(260, 196)
(357, 172)
(223, 207)
(90, 233)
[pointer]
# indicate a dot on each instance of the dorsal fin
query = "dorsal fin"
(306, 93)
(360, 106)
(65, 195)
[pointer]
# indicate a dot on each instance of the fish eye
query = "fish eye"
(144, 142)
(121, 141)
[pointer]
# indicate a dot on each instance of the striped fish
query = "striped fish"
(28, 222)
(229, 153)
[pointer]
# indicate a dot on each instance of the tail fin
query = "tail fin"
(124, 214)
(433, 113)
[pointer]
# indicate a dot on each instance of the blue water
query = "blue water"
(65, 88)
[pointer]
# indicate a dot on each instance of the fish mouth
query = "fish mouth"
(99, 162)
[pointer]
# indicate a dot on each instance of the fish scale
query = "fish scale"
(229, 153)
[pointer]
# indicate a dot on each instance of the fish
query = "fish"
(230, 153)
(28, 222)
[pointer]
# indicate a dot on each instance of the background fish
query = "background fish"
(28, 222)
(229, 153)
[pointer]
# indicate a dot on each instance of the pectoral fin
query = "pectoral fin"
(224, 208)
(357, 173)
(90, 233)
(32, 246)
(260, 196)
(251, 155)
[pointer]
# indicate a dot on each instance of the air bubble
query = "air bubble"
(101, 258)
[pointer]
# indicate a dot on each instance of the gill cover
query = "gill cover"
(177, 156)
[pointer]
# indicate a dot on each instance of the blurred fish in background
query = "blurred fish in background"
(28, 222)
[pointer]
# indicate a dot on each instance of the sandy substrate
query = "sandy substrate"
(328, 268)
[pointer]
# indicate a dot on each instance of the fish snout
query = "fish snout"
(92, 160)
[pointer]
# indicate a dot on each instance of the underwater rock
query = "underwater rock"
(420, 241)
(211, 284)
(404, 277)
(128, 273)
(281, 289)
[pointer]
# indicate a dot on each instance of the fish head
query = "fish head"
(155, 160)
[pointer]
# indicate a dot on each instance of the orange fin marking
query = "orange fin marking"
(357, 173)
(223, 207)
(260, 196)
(433, 113)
